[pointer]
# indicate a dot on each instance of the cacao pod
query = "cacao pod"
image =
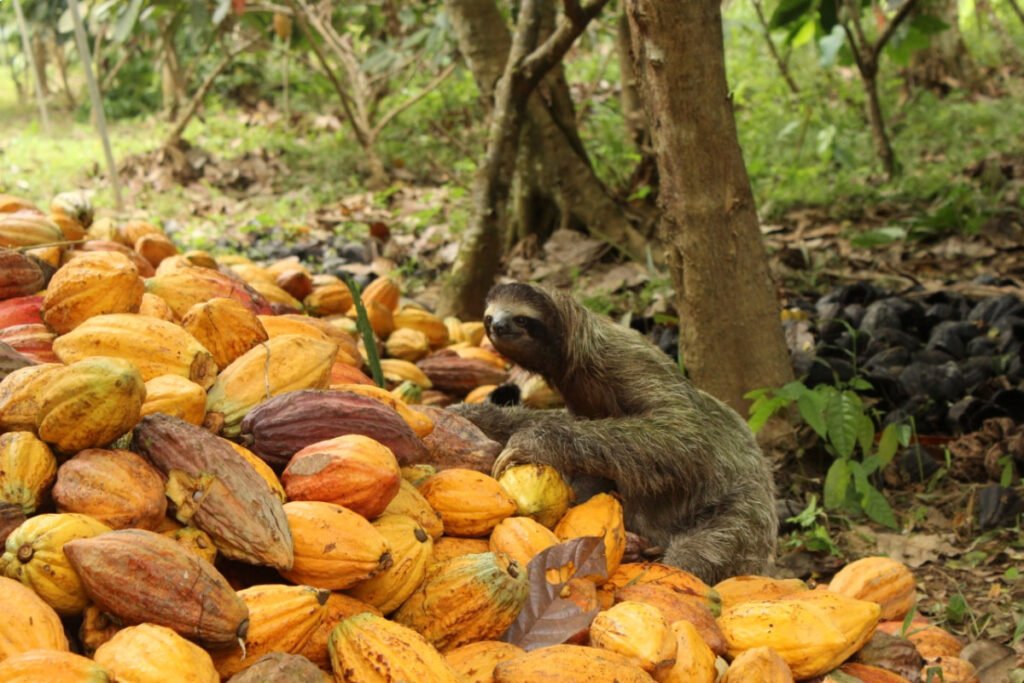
(118, 488)
(281, 618)
(371, 649)
(92, 284)
(150, 653)
(283, 364)
(27, 470)
(183, 591)
(90, 403)
(351, 470)
(156, 347)
(334, 547)
(284, 425)
(36, 556)
(467, 598)
(216, 490)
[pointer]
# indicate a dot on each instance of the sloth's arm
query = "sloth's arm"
(499, 423)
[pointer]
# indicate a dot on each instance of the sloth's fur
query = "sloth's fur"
(691, 476)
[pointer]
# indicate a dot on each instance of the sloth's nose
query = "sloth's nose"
(502, 326)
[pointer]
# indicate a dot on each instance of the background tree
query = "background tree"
(730, 334)
(529, 60)
(554, 183)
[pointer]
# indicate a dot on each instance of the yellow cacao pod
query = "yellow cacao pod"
(539, 492)
(599, 516)
(878, 579)
(225, 327)
(175, 395)
(281, 618)
(150, 653)
(637, 631)
(156, 347)
(334, 547)
(410, 502)
(521, 538)
(90, 403)
(27, 623)
(91, 284)
(27, 470)
(287, 363)
(52, 666)
(371, 649)
(35, 557)
(470, 503)
(411, 551)
(758, 664)
(466, 598)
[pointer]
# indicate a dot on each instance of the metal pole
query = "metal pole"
(31, 58)
(97, 101)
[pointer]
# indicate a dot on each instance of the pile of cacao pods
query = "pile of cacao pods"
(168, 418)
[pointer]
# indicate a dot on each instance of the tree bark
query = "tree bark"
(730, 333)
(555, 184)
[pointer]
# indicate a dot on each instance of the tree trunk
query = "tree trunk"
(39, 52)
(883, 147)
(561, 187)
(633, 115)
(171, 81)
(945, 63)
(730, 334)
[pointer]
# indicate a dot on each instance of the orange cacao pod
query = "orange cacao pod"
(117, 487)
(351, 470)
(470, 503)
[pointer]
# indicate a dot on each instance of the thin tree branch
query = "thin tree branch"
(542, 59)
(427, 89)
(175, 135)
(346, 103)
(767, 33)
(900, 16)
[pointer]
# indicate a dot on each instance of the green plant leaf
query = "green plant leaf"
(126, 22)
(765, 410)
(363, 325)
(829, 45)
(873, 502)
(956, 608)
(842, 417)
(865, 433)
(789, 11)
(837, 483)
(812, 409)
(792, 391)
(887, 444)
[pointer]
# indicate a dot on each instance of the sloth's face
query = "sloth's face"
(515, 323)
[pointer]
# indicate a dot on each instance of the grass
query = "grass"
(807, 149)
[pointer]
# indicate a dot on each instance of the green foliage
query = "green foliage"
(813, 534)
(840, 419)
(366, 332)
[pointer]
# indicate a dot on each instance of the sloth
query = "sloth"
(690, 475)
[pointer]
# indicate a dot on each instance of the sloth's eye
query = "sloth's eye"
(487, 320)
(521, 320)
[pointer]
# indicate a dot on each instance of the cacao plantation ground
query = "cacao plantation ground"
(932, 320)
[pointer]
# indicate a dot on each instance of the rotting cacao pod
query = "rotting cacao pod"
(217, 490)
(279, 428)
(182, 591)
